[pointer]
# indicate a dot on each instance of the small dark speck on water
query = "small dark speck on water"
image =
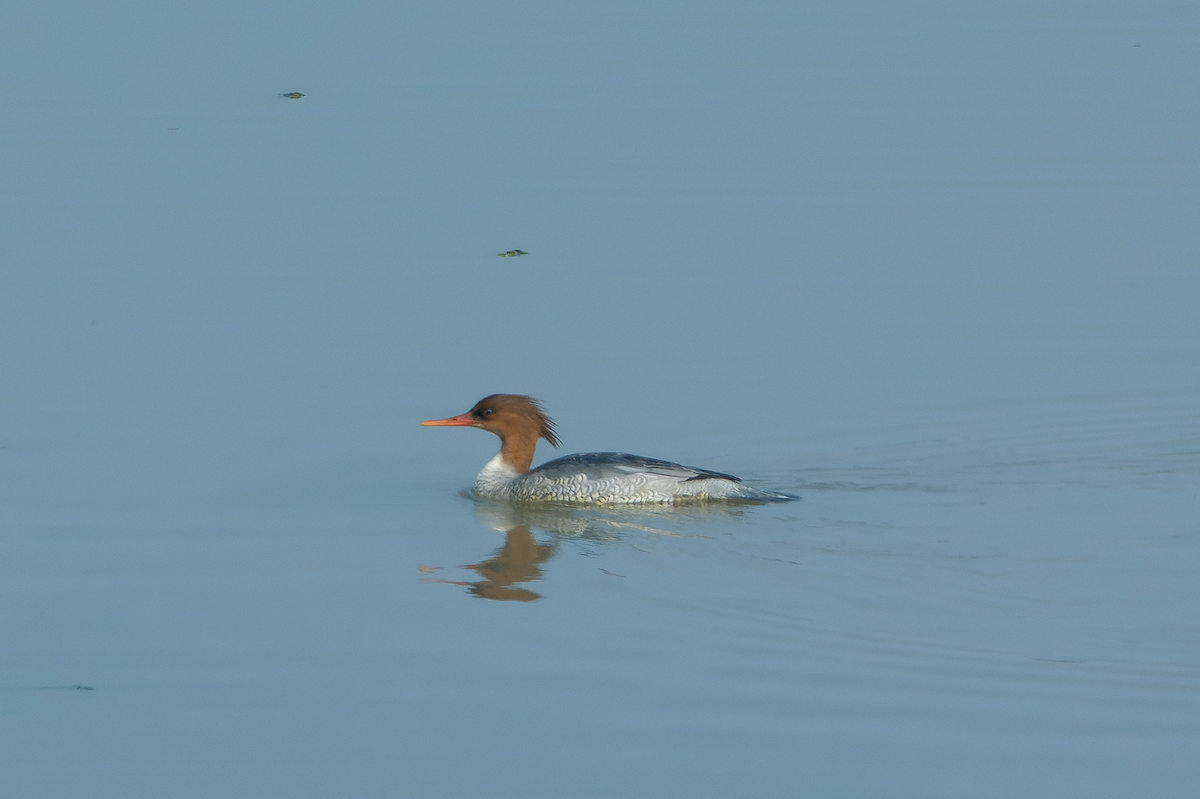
(293, 95)
(614, 574)
(67, 688)
(512, 253)
(172, 128)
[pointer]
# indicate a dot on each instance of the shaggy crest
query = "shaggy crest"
(518, 405)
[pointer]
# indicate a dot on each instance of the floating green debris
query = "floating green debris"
(512, 253)
(292, 95)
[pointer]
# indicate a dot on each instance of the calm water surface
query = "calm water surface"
(931, 268)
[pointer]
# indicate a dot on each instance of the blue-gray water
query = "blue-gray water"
(933, 266)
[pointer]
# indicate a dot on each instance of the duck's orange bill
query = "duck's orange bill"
(454, 421)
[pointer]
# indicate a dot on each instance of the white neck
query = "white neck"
(496, 475)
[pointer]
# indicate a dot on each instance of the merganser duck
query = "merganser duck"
(594, 477)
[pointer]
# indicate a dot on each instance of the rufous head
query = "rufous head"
(506, 415)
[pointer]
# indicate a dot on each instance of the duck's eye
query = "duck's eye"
(486, 412)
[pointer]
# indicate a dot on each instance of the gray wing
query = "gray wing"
(601, 465)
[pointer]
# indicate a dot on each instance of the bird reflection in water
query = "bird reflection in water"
(518, 561)
(521, 557)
